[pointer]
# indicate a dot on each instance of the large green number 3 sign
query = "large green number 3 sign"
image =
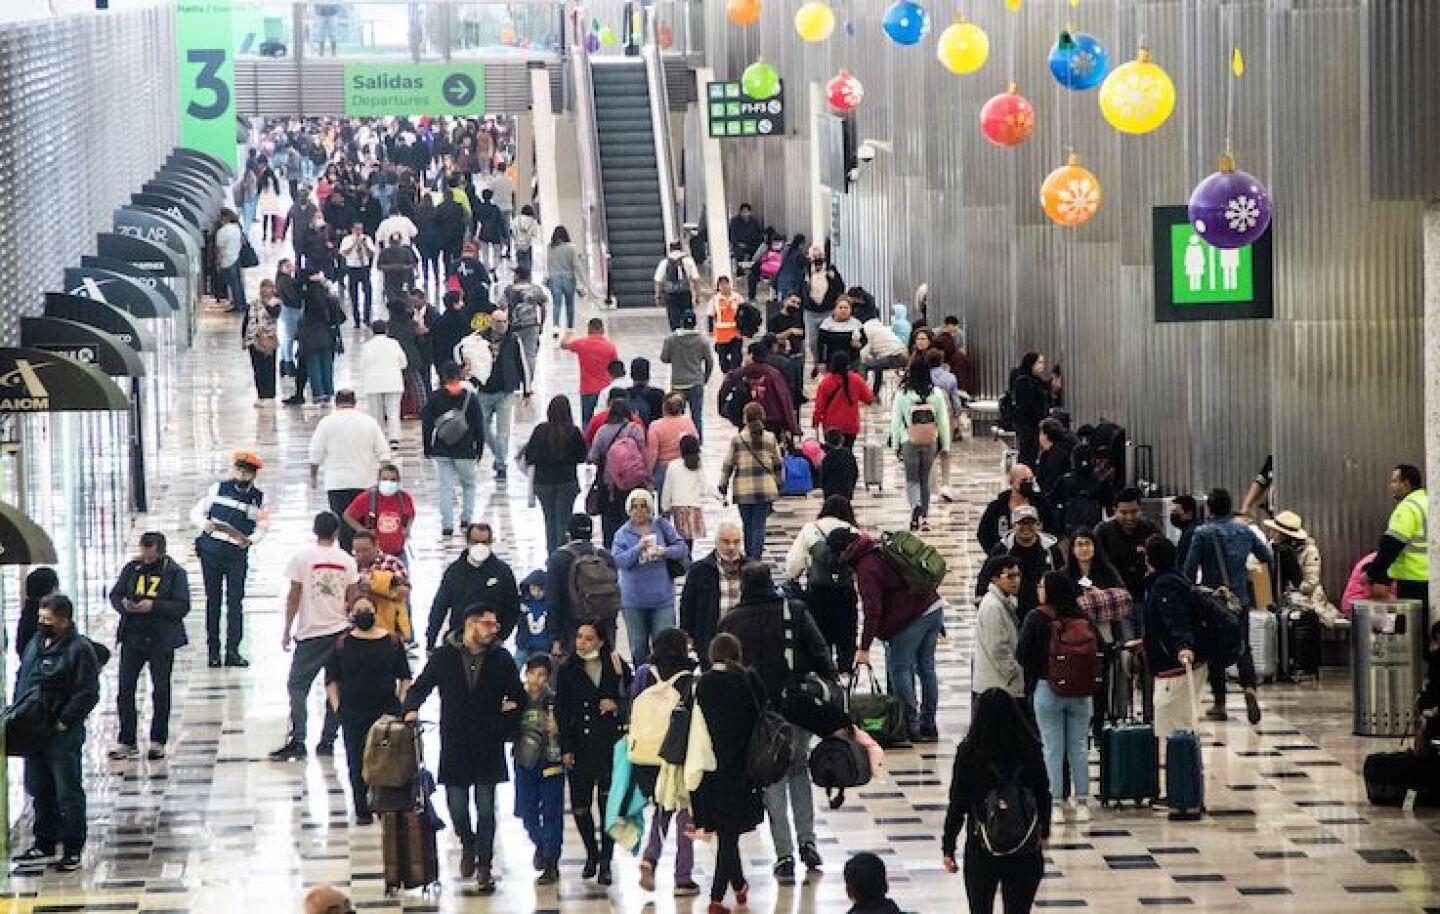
(207, 77)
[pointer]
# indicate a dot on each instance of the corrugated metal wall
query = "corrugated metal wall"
(87, 113)
(1331, 385)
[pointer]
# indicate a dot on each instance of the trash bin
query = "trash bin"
(1387, 644)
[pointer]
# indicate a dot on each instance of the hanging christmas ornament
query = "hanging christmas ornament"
(743, 12)
(1070, 195)
(844, 92)
(665, 34)
(963, 47)
(760, 81)
(1137, 96)
(815, 21)
(1231, 208)
(1007, 119)
(592, 42)
(507, 35)
(850, 28)
(1078, 60)
(906, 22)
(1012, 5)
(608, 37)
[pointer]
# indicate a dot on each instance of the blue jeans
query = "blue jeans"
(451, 469)
(235, 281)
(288, 330)
(587, 408)
(524, 258)
(557, 503)
(1064, 725)
(562, 293)
(540, 804)
(695, 402)
(54, 781)
(482, 837)
(497, 408)
(641, 624)
(912, 652)
(752, 521)
(320, 367)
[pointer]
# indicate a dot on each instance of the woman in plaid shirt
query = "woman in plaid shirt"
(754, 464)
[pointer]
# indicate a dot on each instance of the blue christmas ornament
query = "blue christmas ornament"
(906, 22)
(1079, 61)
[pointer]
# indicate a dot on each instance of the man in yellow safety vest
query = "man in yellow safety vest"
(1403, 554)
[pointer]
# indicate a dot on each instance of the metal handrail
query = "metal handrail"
(660, 125)
(597, 244)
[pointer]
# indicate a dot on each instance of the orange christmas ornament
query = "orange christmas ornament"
(1071, 194)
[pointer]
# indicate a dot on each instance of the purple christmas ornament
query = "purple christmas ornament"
(592, 43)
(1230, 209)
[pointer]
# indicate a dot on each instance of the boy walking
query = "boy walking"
(539, 772)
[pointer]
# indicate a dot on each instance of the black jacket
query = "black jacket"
(585, 732)
(1126, 551)
(727, 799)
(1035, 560)
(1167, 621)
(450, 225)
(509, 372)
(1032, 399)
(760, 626)
(995, 522)
(839, 474)
(168, 586)
(561, 618)
(463, 585)
(447, 332)
(1052, 465)
(834, 288)
(319, 319)
(67, 674)
(442, 401)
(971, 780)
(473, 729)
(700, 601)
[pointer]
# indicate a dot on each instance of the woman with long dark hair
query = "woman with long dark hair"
(754, 464)
(555, 450)
(618, 424)
(919, 431)
(999, 753)
(562, 276)
(829, 583)
(838, 399)
(1030, 392)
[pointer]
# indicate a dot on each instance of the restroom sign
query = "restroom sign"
(1197, 281)
(733, 114)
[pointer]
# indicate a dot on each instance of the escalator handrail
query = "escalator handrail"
(660, 125)
(596, 247)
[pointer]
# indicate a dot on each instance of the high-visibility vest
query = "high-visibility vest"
(1410, 524)
(726, 309)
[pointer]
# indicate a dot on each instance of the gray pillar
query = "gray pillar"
(1432, 388)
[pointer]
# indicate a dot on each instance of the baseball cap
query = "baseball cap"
(1024, 513)
(248, 459)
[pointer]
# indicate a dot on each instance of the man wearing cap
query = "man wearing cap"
(349, 447)
(231, 518)
(1036, 550)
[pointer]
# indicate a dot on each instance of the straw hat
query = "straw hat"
(1289, 523)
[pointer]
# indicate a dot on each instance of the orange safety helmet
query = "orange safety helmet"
(249, 459)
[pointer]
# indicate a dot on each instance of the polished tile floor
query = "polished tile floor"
(218, 828)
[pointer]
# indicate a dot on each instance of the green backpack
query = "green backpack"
(918, 562)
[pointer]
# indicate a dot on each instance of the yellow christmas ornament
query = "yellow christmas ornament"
(963, 47)
(1012, 5)
(1071, 194)
(815, 21)
(1138, 96)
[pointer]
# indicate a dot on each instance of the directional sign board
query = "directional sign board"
(1196, 281)
(414, 88)
(733, 114)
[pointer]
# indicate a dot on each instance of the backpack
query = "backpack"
(1219, 625)
(838, 762)
(923, 427)
(392, 753)
(747, 319)
(675, 281)
(918, 562)
(1073, 662)
(1082, 509)
(1005, 421)
(798, 477)
(733, 402)
(1009, 821)
(769, 753)
(453, 425)
(770, 264)
(650, 715)
(625, 465)
(594, 588)
(826, 571)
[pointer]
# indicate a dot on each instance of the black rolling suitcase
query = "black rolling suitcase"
(1300, 637)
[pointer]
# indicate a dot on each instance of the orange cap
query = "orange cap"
(249, 459)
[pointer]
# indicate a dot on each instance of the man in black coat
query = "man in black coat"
(712, 588)
(477, 578)
(152, 596)
(778, 638)
(480, 692)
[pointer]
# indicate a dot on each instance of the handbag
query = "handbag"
(29, 723)
(770, 751)
(676, 567)
(266, 341)
(809, 701)
(675, 746)
(248, 258)
(878, 714)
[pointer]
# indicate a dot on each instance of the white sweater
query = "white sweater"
(797, 562)
(684, 487)
(382, 367)
(349, 447)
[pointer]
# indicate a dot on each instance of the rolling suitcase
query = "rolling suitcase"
(1185, 769)
(873, 458)
(1264, 646)
(1129, 763)
(407, 844)
(1300, 635)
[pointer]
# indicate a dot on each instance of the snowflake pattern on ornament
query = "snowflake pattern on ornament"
(1136, 96)
(1079, 198)
(1082, 64)
(1242, 213)
(1019, 123)
(852, 91)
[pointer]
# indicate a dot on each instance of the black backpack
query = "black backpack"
(1082, 509)
(826, 571)
(769, 753)
(733, 402)
(1006, 420)
(1009, 821)
(838, 762)
(747, 319)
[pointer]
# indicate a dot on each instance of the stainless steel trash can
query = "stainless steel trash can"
(1388, 665)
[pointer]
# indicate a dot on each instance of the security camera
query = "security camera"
(867, 152)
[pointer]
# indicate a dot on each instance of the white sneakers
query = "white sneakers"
(1072, 810)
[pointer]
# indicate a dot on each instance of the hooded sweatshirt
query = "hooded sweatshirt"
(531, 634)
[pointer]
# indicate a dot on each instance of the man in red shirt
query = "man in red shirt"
(595, 352)
(385, 510)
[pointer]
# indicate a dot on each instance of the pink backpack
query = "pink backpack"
(625, 465)
(812, 451)
(770, 264)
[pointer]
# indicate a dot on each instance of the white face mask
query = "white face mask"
(478, 553)
(389, 487)
(588, 655)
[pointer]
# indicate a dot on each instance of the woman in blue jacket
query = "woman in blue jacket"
(644, 547)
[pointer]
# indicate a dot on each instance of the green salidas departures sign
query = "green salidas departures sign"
(205, 48)
(415, 89)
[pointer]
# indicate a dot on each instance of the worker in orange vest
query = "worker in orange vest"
(724, 327)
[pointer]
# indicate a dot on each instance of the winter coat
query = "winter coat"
(775, 398)
(473, 729)
(760, 626)
(994, 665)
(557, 586)
(726, 798)
(490, 584)
(66, 673)
(585, 732)
(838, 399)
(1036, 559)
(168, 586)
(700, 599)
(995, 521)
(442, 401)
(888, 604)
(1032, 399)
(757, 469)
(1167, 621)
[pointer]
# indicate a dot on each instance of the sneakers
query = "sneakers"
(156, 752)
(215, 659)
(124, 753)
(549, 875)
(292, 751)
(68, 863)
(467, 860)
(537, 861)
(1080, 810)
(1252, 706)
(366, 819)
(484, 881)
(811, 857)
(326, 748)
(233, 658)
(686, 889)
(36, 854)
(647, 876)
(784, 868)
(1216, 713)
(447, 532)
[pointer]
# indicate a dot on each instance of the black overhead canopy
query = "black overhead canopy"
(22, 541)
(36, 381)
(83, 343)
(100, 316)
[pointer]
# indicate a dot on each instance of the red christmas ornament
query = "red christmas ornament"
(844, 92)
(1007, 119)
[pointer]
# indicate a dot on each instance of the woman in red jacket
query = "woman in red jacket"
(838, 399)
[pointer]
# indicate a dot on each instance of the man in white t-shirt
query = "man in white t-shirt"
(323, 579)
(348, 446)
(677, 284)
